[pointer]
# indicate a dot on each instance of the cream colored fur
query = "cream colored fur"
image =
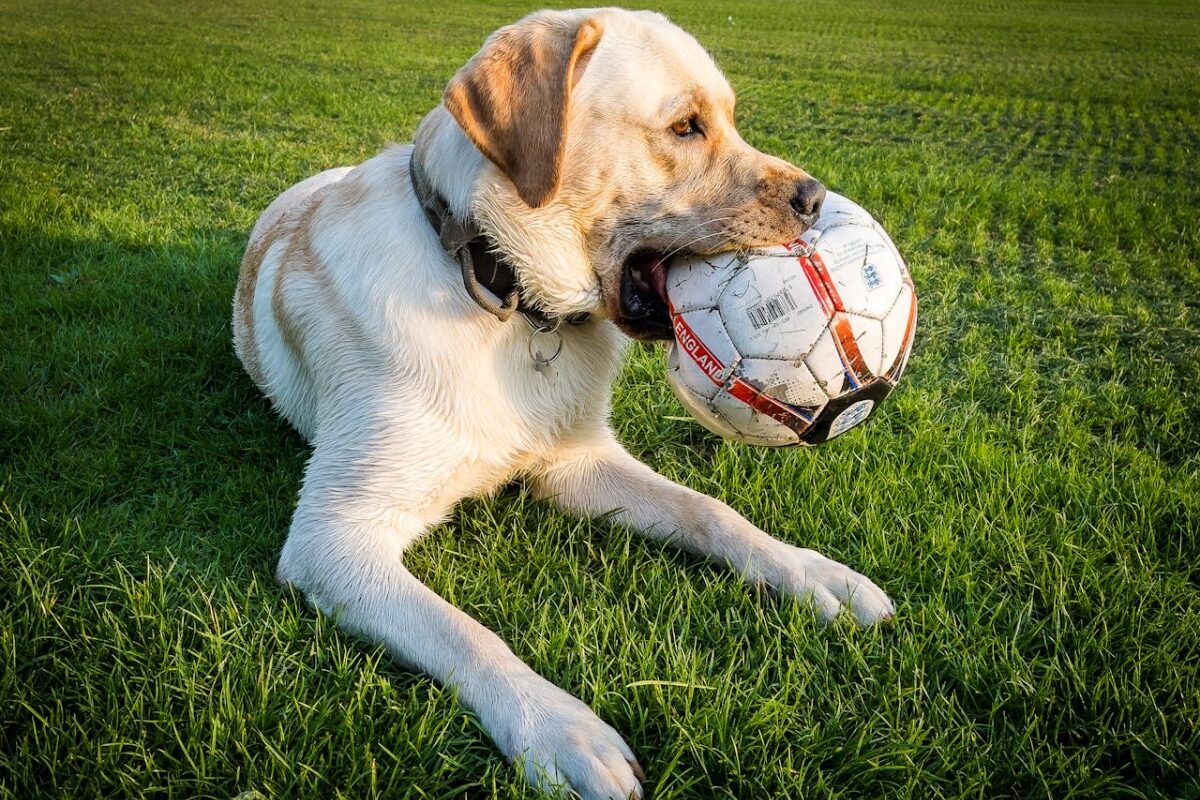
(355, 324)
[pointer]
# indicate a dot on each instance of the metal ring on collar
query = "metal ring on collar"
(538, 357)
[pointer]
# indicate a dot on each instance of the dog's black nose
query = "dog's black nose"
(807, 199)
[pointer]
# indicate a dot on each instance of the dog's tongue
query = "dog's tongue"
(658, 277)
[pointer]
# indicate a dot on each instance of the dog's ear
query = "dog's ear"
(512, 98)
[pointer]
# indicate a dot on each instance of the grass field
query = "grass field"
(1030, 498)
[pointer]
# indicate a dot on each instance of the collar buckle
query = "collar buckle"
(471, 248)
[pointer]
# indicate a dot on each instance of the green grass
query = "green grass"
(1030, 498)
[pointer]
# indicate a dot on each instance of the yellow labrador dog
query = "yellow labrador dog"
(448, 316)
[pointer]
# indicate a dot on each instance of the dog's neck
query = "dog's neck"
(487, 277)
(451, 163)
(550, 262)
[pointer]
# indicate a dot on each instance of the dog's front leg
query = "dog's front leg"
(344, 552)
(596, 476)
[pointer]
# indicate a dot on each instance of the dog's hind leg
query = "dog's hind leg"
(596, 476)
(344, 552)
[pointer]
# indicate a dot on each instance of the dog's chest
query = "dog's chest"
(490, 414)
(550, 384)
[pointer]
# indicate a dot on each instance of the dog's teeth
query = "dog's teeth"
(639, 279)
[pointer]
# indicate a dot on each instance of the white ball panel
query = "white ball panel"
(789, 381)
(868, 333)
(769, 308)
(683, 370)
(895, 325)
(838, 208)
(704, 344)
(825, 364)
(895, 252)
(694, 284)
(701, 409)
(755, 428)
(863, 266)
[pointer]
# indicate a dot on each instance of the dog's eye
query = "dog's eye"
(686, 127)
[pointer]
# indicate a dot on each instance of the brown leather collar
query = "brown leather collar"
(482, 266)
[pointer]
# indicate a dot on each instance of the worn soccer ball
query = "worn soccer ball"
(794, 344)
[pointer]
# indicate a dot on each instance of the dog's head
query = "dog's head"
(611, 144)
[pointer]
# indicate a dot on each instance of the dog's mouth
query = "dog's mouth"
(642, 302)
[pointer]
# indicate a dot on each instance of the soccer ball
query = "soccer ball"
(794, 344)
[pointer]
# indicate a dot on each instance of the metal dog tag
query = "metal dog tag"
(545, 346)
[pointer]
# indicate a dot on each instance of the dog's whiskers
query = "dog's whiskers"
(686, 231)
(697, 240)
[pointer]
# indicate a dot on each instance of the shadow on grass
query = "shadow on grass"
(128, 410)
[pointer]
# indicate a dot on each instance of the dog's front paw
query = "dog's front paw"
(827, 586)
(564, 747)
